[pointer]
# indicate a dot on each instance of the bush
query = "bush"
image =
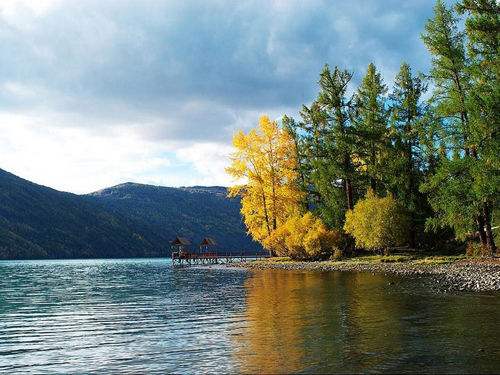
(304, 237)
(477, 250)
(338, 254)
(377, 223)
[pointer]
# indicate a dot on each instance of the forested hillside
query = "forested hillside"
(192, 212)
(129, 220)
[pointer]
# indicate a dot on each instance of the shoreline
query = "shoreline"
(462, 275)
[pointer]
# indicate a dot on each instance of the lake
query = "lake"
(143, 315)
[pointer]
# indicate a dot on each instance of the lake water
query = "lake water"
(133, 316)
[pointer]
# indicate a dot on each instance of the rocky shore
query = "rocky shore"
(464, 275)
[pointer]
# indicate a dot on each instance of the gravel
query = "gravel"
(457, 276)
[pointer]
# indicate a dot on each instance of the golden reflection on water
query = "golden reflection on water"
(316, 322)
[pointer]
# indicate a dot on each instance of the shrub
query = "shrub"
(338, 254)
(304, 237)
(377, 223)
(477, 250)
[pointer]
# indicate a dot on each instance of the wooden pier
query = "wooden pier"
(213, 258)
(206, 254)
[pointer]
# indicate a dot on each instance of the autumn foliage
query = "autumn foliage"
(304, 237)
(265, 161)
(377, 223)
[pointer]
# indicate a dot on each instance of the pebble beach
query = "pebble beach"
(464, 275)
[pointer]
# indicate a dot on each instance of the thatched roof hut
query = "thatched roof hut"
(180, 245)
(180, 241)
(207, 243)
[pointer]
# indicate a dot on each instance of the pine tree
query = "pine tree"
(448, 72)
(370, 128)
(483, 30)
(407, 112)
(328, 143)
(459, 190)
(303, 162)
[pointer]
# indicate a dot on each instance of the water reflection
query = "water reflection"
(357, 322)
(144, 316)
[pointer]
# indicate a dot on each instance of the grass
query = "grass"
(381, 258)
(396, 258)
(276, 260)
(439, 259)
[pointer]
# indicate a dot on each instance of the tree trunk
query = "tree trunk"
(266, 215)
(373, 160)
(480, 229)
(490, 240)
(411, 196)
(348, 191)
(347, 181)
(484, 220)
(412, 240)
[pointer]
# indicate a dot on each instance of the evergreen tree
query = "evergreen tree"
(448, 72)
(370, 128)
(459, 192)
(325, 193)
(483, 30)
(303, 162)
(326, 125)
(407, 113)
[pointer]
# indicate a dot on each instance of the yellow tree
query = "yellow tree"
(265, 159)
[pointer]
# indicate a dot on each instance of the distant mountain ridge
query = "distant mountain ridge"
(127, 220)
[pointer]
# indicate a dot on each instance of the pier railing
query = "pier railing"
(213, 257)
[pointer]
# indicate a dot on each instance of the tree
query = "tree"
(483, 30)
(461, 192)
(303, 164)
(266, 159)
(407, 113)
(370, 127)
(304, 237)
(377, 223)
(328, 146)
(324, 190)
(337, 107)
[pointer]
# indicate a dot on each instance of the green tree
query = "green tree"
(370, 128)
(328, 138)
(406, 169)
(303, 163)
(483, 30)
(461, 192)
(324, 190)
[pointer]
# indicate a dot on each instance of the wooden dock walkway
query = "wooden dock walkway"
(186, 258)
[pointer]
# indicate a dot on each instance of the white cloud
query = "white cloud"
(19, 90)
(209, 161)
(73, 159)
(18, 13)
(98, 92)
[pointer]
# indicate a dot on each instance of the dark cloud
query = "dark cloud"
(196, 69)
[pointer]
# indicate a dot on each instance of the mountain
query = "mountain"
(128, 220)
(39, 222)
(192, 212)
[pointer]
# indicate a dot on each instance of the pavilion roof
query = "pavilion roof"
(208, 241)
(181, 241)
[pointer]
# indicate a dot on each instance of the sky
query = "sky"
(97, 93)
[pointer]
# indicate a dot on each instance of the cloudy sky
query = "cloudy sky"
(96, 93)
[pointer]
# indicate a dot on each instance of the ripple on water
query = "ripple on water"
(133, 316)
